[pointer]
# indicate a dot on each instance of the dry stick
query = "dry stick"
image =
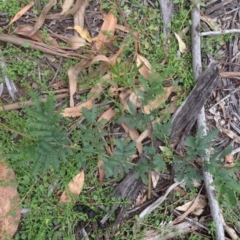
(41, 47)
(19, 105)
(201, 120)
(215, 33)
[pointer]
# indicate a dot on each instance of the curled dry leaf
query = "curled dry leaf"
(211, 22)
(77, 110)
(124, 97)
(114, 91)
(159, 100)
(24, 30)
(99, 58)
(107, 115)
(83, 33)
(66, 6)
(139, 144)
(180, 191)
(76, 42)
(198, 207)
(20, 13)
(73, 73)
(135, 100)
(42, 16)
(155, 177)
(9, 203)
(144, 66)
(230, 133)
(100, 171)
(74, 187)
(229, 161)
(133, 133)
(181, 44)
(107, 29)
(79, 15)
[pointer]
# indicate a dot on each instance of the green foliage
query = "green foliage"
(12, 6)
(224, 180)
(23, 63)
(46, 145)
(153, 161)
(120, 162)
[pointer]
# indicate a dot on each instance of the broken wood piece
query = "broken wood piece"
(187, 113)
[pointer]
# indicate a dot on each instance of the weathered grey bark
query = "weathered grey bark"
(167, 9)
(186, 115)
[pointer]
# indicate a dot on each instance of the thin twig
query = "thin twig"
(222, 32)
(56, 73)
(19, 105)
(159, 201)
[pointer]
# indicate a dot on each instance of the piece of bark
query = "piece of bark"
(187, 113)
(128, 189)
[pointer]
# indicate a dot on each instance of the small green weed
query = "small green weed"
(24, 63)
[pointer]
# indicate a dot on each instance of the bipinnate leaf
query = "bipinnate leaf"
(74, 187)
(9, 202)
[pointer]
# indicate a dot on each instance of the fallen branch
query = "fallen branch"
(41, 47)
(19, 105)
(201, 120)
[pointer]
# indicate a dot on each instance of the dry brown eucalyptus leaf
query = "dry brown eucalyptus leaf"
(144, 66)
(66, 6)
(77, 110)
(76, 42)
(42, 16)
(100, 172)
(107, 115)
(73, 73)
(9, 202)
(160, 99)
(74, 187)
(79, 15)
(108, 28)
(20, 13)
